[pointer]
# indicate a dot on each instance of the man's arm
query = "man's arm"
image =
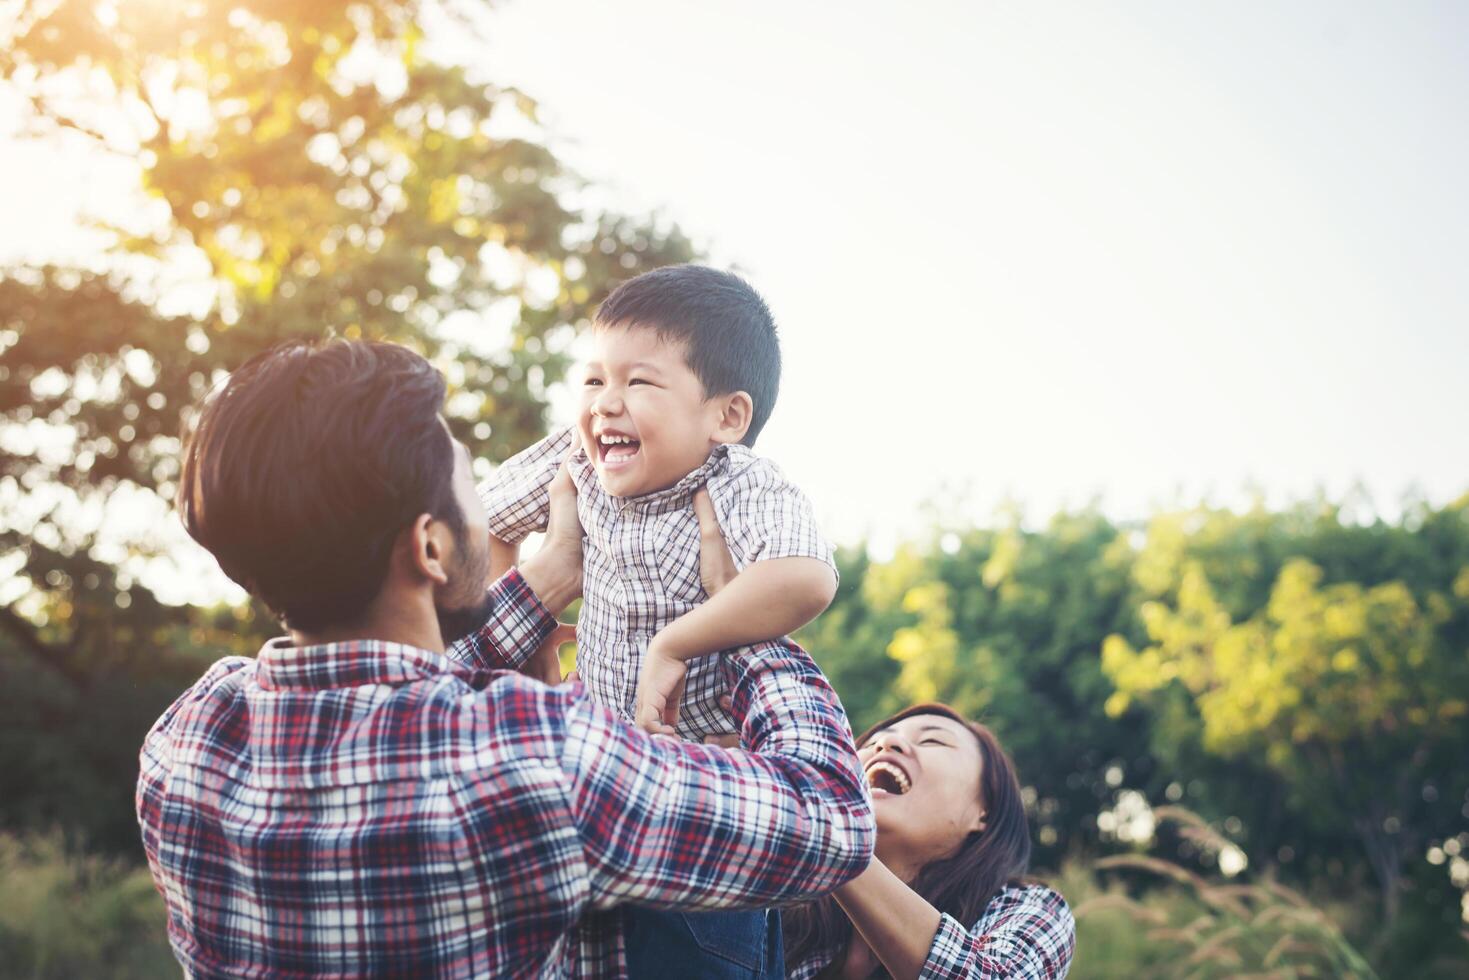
(677, 825)
(503, 557)
(525, 601)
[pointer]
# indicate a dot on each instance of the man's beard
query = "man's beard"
(456, 624)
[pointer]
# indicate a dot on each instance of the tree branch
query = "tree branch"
(24, 632)
(46, 111)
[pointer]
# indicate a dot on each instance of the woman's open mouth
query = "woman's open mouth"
(884, 777)
(616, 449)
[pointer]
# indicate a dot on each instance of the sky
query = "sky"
(1141, 253)
(1049, 253)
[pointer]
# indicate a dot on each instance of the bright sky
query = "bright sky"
(1050, 251)
(1151, 252)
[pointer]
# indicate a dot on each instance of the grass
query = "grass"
(1141, 917)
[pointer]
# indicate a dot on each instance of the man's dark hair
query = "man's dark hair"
(302, 468)
(724, 325)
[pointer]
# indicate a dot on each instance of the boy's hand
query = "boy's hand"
(660, 689)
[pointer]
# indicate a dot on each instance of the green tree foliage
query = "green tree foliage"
(1004, 625)
(1336, 655)
(1298, 676)
(303, 168)
(64, 915)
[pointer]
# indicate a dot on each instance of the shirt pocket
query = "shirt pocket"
(674, 552)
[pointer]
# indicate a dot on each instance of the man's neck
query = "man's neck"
(408, 630)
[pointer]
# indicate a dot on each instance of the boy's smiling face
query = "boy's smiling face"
(644, 419)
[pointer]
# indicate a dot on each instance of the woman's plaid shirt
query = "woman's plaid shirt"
(642, 558)
(368, 808)
(1025, 933)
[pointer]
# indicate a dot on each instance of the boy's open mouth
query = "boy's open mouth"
(615, 448)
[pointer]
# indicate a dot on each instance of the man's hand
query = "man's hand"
(716, 564)
(545, 664)
(554, 572)
(725, 740)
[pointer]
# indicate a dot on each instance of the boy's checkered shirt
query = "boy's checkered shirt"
(641, 564)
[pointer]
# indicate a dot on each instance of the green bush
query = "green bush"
(69, 915)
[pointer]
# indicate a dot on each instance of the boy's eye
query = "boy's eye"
(590, 382)
(638, 381)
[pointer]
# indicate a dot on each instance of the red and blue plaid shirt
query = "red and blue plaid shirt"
(1025, 933)
(372, 808)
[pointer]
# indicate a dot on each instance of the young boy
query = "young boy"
(683, 374)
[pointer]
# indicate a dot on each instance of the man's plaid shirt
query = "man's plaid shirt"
(642, 558)
(1025, 933)
(368, 808)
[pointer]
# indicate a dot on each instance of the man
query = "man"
(356, 800)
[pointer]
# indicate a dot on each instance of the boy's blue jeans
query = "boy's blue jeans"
(713, 945)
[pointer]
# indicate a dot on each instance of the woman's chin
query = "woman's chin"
(886, 806)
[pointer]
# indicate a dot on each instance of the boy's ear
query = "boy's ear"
(736, 411)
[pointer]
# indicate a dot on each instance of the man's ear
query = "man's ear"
(427, 542)
(736, 412)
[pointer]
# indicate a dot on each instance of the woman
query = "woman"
(944, 895)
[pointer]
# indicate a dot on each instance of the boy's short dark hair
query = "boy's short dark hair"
(302, 468)
(725, 326)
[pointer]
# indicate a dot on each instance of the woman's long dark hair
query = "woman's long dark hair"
(960, 885)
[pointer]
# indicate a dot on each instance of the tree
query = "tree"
(303, 169)
(1004, 625)
(1355, 692)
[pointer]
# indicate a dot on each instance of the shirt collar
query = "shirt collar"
(722, 458)
(353, 663)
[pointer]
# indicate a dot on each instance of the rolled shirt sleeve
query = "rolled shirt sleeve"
(1027, 933)
(517, 623)
(517, 496)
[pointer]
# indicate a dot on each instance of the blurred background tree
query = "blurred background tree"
(303, 169)
(1334, 655)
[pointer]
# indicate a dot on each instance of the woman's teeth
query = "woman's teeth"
(888, 778)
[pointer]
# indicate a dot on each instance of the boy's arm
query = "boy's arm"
(787, 581)
(517, 496)
(769, 599)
